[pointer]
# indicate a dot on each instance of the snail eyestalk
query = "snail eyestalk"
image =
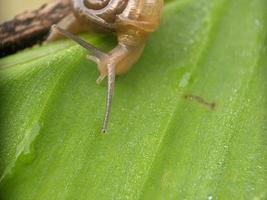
(110, 91)
(131, 21)
(92, 49)
(97, 56)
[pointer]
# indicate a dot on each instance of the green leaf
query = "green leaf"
(188, 121)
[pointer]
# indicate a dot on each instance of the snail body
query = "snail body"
(131, 20)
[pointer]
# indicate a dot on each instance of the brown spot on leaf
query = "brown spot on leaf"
(200, 100)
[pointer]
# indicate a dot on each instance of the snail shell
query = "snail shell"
(131, 20)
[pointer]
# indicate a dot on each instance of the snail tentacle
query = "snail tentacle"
(110, 91)
(131, 20)
(97, 56)
(92, 49)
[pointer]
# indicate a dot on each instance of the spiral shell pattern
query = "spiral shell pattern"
(106, 12)
(102, 12)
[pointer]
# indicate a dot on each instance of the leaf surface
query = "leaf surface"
(188, 121)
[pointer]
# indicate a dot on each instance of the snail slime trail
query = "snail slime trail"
(131, 20)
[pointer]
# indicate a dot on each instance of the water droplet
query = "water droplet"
(257, 22)
(185, 79)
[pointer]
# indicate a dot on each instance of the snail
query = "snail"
(131, 20)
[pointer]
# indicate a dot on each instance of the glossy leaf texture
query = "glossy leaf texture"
(188, 121)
